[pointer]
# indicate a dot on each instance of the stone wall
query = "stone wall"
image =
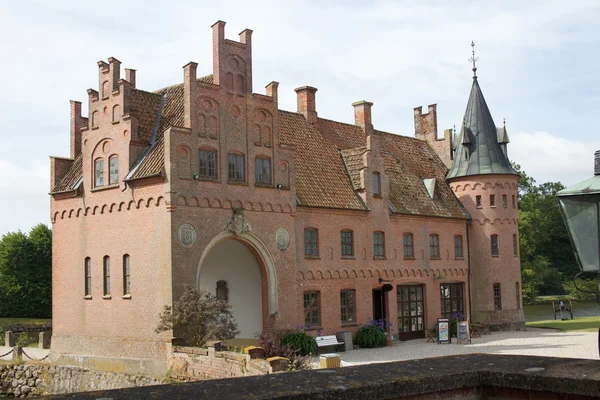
(192, 364)
(21, 380)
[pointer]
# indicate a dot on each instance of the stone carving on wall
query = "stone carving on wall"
(186, 235)
(238, 224)
(222, 291)
(282, 237)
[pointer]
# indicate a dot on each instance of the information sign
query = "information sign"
(463, 335)
(443, 328)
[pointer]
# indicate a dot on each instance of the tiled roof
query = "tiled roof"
(321, 179)
(67, 183)
(353, 158)
(144, 106)
(152, 164)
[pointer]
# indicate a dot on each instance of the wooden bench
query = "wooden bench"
(327, 341)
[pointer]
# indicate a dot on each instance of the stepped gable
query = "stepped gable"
(321, 179)
(481, 147)
(75, 173)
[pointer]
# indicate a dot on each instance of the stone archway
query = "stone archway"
(240, 261)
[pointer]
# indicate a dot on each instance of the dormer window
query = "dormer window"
(113, 178)
(376, 184)
(99, 172)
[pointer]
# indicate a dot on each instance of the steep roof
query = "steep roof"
(71, 178)
(478, 148)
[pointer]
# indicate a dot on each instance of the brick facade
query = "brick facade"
(169, 208)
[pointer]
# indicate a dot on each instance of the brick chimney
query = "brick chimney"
(77, 122)
(362, 115)
(306, 102)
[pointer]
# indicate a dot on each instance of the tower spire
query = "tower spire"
(473, 59)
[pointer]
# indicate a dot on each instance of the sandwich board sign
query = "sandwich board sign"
(463, 335)
(443, 328)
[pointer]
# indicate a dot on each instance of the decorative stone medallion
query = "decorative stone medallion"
(282, 237)
(186, 235)
(238, 224)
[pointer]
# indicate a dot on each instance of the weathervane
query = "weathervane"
(474, 59)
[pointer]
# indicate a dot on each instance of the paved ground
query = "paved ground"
(537, 342)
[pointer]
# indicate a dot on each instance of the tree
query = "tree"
(198, 316)
(26, 273)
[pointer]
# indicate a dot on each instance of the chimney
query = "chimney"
(130, 76)
(307, 103)
(362, 115)
(272, 91)
(218, 42)
(77, 122)
(189, 86)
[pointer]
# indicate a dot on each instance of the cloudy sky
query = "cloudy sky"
(538, 68)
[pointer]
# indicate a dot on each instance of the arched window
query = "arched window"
(311, 242)
(99, 172)
(87, 272)
(497, 297)
(494, 244)
(434, 246)
(409, 249)
(376, 184)
(106, 274)
(126, 276)
(113, 177)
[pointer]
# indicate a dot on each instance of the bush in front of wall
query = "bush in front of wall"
(372, 334)
(301, 342)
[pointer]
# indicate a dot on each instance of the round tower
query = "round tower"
(484, 181)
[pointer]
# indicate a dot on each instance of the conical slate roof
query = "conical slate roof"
(478, 150)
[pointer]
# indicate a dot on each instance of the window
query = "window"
(478, 201)
(451, 296)
(208, 164)
(106, 271)
(126, 275)
(113, 177)
(514, 201)
(515, 245)
(494, 243)
(312, 309)
(504, 201)
(87, 271)
(263, 170)
(497, 297)
(458, 246)
(518, 295)
(434, 246)
(236, 167)
(409, 250)
(99, 172)
(492, 200)
(379, 244)
(347, 303)
(347, 243)
(376, 184)
(311, 242)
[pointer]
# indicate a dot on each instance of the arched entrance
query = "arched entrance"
(240, 268)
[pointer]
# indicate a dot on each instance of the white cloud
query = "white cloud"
(550, 158)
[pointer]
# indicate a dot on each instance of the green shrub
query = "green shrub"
(301, 342)
(371, 335)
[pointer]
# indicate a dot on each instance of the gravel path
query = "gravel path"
(535, 342)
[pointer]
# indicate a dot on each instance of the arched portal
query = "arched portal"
(246, 267)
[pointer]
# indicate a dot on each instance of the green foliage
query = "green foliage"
(547, 259)
(24, 339)
(371, 335)
(198, 317)
(272, 344)
(300, 341)
(586, 289)
(26, 273)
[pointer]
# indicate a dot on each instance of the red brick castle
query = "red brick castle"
(293, 218)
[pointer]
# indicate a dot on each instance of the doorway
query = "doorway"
(379, 304)
(411, 312)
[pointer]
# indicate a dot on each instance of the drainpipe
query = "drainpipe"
(467, 223)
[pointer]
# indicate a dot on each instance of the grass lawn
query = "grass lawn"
(588, 324)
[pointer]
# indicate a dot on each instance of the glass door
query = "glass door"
(411, 312)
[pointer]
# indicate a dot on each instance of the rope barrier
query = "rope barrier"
(4, 355)
(34, 359)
